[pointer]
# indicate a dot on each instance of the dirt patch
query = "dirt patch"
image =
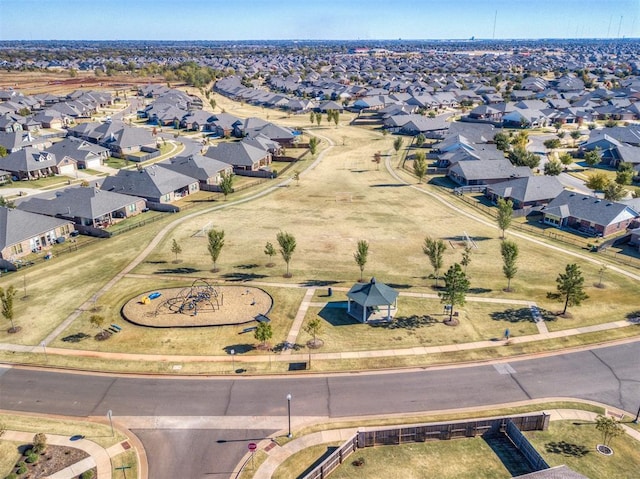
(232, 305)
(54, 459)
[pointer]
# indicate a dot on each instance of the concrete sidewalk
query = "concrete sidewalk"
(278, 454)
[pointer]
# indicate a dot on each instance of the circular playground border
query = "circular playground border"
(237, 305)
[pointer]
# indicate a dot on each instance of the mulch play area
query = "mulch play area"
(197, 305)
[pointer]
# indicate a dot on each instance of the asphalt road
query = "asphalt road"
(609, 375)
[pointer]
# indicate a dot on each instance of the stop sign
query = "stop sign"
(253, 446)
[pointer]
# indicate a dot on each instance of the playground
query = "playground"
(199, 304)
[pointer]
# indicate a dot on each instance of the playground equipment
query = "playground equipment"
(200, 297)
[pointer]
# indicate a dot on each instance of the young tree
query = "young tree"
(552, 143)
(502, 141)
(318, 118)
(570, 285)
(597, 181)
(593, 157)
(455, 289)
(361, 255)
(216, 242)
(608, 427)
(3, 151)
(575, 134)
(226, 184)
(566, 159)
(6, 298)
(505, 214)
(553, 168)
(313, 145)
(270, 251)
(509, 251)
(263, 333)
(287, 246)
(377, 158)
(420, 139)
(520, 140)
(314, 327)
(434, 249)
(312, 117)
(7, 203)
(397, 144)
(420, 165)
(176, 249)
(613, 191)
(521, 157)
(296, 177)
(624, 177)
(336, 117)
(466, 258)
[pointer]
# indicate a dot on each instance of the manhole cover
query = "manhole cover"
(605, 450)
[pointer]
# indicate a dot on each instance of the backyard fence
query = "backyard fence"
(396, 435)
(518, 439)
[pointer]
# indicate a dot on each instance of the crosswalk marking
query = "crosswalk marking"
(504, 368)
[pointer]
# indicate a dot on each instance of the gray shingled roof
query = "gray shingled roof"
(528, 189)
(236, 153)
(558, 472)
(588, 208)
(488, 170)
(27, 159)
(80, 203)
(17, 226)
(372, 293)
(152, 182)
(197, 166)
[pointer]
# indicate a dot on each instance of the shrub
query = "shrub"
(22, 469)
(32, 457)
(87, 474)
(39, 443)
(11, 476)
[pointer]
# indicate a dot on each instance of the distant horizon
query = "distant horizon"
(313, 20)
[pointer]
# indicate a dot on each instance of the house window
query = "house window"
(132, 207)
(16, 248)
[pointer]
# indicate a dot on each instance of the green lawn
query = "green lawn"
(298, 463)
(573, 443)
(456, 459)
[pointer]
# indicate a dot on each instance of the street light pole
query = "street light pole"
(233, 359)
(289, 414)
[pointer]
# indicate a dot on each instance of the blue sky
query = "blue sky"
(312, 19)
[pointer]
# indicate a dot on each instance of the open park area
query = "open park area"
(338, 198)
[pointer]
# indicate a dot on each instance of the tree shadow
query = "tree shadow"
(406, 322)
(239, 348)
(566, 449)
(388, 185)
(184, 270)
(399, 286)
(318, 283)
(521, 315)
(285, 346)
(479, 290)
(247, 266)
(238, 277)
(634, 317)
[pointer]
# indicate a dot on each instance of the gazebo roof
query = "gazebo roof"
(372, 293)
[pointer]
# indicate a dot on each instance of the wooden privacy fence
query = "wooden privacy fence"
(336, 458)
(395, 435)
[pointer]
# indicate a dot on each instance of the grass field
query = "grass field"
(343, 199)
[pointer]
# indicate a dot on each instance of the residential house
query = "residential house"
(22, 232)
(87, 155)
(207, 171)
(157, 184)
(241, 155)
(86, 206)
(588, 214)
(526, 192)
(485, 172)
(29, 164)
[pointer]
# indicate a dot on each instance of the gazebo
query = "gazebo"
(364, 300)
